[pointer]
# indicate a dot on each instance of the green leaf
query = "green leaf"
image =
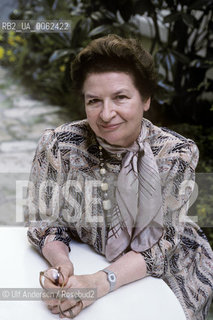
(199, 4)
(169, 61)
(159, 57)
(165, 86)
(181, 57)
(58, 54)
(86, 25)
(119, 17)
(100, 29)
(172, 17)
(188, 20)
(108, 14)
(96, 15)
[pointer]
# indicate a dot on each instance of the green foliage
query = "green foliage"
(183, 60)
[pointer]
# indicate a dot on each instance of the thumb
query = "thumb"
(66, 272)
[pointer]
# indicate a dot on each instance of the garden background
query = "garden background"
(178, 33)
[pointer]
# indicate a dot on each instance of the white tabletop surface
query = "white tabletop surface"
(146, 299)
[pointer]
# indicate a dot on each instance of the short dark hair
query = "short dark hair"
(113, 53)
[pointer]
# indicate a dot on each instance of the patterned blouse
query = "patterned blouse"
(57, 210)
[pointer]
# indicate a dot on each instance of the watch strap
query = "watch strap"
(111, 277)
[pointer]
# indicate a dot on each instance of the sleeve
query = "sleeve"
(177, 186)
(43, 213)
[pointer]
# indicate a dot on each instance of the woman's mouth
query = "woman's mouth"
(110, 126)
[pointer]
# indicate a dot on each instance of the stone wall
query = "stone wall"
(23, 120)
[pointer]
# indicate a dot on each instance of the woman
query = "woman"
(120, 184)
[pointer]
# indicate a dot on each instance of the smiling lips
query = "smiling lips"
(110, 126)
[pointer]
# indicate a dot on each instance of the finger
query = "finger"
(49, 284)
(55, 276)
(51, 303)
(78, 307)
(66, 271)
(52, 297)
(74, 311)
(64, 305)
(51, 307)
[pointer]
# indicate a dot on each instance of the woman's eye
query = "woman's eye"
(121, 97)
(92, 101)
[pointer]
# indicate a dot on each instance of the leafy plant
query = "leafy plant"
(183, 60)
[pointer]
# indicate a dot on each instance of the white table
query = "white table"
(146, 299)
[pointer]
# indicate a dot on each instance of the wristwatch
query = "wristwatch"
(111, 277)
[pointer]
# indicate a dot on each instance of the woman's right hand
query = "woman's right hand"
(52, 281)
(57, 253)
(57, 276)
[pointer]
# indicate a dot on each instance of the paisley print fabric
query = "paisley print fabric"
(65, 202)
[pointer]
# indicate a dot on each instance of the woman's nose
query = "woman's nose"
(108, 111)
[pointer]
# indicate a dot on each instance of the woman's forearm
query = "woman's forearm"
(56, 252)
(128, 268)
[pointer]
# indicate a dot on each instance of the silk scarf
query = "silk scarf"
(137, 219)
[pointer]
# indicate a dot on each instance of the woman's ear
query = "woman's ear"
(146, 105)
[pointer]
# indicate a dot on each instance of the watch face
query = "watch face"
(112, 277)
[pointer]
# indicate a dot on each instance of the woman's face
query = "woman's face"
(114, 107)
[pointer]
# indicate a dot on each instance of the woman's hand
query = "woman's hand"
(56, 278)
(88, 288)
(67, 271)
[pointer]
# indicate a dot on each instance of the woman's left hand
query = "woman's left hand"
(86, 288)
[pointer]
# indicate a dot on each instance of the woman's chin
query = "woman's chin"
(114, 142)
